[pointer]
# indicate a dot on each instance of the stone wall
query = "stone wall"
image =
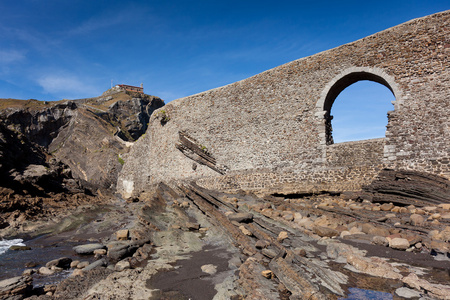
(276, 122)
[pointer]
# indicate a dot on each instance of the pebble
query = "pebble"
(267, 273)
(282, 236)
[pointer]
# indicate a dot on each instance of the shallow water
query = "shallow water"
(361, 294)
(5, 244)
(12, 263)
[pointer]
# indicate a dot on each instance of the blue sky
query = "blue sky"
(53, 49)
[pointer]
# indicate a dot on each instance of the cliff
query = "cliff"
(55, 150)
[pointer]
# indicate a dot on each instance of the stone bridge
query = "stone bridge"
(272, 131)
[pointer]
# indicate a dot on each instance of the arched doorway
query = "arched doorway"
(360, 112)
(339, 84)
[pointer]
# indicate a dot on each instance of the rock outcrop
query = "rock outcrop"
(61, 154)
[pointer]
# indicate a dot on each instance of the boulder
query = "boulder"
(399, 243)
(325, 231)
(77, 272)
(82, 265)
(416, 220)
(210, 269)
(380, 241)
(122, 265)
(407, 293)
(387, 206)
(45, 271)
(120, 250)
(63, 262)
(241, 217)
(74, 263)
(87, 249)
(95, 264)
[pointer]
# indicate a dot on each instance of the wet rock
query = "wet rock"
(82, 265)
(15, 286)
(241, 217)
(435, 290)
(19, 248)
(210, 269)
(95, 264)
(407, 293)
(399, 243)
(74, 263)
(45, 271)
(63, 262)
(87, 249)
(28, 272)
(30, 264)
(56, 269)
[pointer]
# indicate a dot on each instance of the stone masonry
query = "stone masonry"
(271, 131)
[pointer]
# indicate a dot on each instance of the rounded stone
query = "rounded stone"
(87, 248)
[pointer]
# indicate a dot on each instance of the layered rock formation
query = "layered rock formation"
(54, 154)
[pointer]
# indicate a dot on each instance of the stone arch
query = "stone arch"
(340, 83)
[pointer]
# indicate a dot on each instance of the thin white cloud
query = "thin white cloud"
(66, 86)
(107, 19)
(10, 56)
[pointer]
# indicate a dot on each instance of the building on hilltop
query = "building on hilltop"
(130, 88)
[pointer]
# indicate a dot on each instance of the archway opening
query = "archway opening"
(360, 112)
(356, 108)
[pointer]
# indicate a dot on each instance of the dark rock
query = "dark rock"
(19, 248)
(15, 286)
(31, 264)
(402, 187)
(120, 250)
(63, 262)
(260, 244)
(241, 217)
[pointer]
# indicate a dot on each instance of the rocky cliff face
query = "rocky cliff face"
(60, 149)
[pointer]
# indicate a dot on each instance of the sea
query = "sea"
(13, 263)
(5, 244)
